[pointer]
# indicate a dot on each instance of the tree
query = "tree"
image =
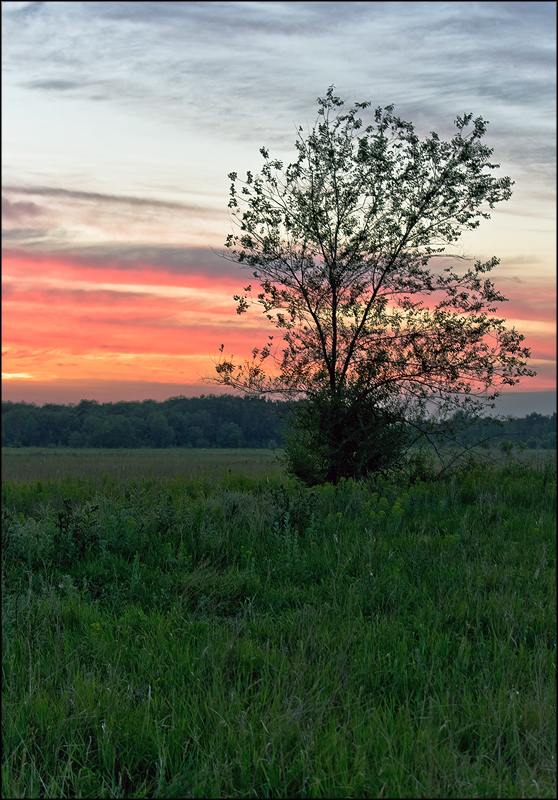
(348, 245)
(229, 434)
(118, 432)
(158, 431)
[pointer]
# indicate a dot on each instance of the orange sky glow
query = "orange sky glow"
(63, 321)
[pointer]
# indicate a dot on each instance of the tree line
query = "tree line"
(220, 421)
(206, 421)
(534, 431)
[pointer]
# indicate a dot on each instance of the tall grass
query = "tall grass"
(240, 636)
(45, 463)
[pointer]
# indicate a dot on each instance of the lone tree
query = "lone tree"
(348, 245)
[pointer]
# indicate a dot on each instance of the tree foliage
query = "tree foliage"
(336, 436)
(206, 421)
(349, 245)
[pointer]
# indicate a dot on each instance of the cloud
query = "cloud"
(53, 85)
(521, 259)
(15, 211)
(21, 9)
(26, 237)
(211, 64)
(230, 19)
(136, 263)
(48, 296)
(110, 199)
(102, 227)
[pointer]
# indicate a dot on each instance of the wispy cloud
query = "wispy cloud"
(16, 211)
(104, 199)
(247, 62)
(107, 227)
(139, 262)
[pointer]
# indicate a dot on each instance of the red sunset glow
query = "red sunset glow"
(63, 321)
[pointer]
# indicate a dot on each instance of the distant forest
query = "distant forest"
(212, 421)
(206, 421)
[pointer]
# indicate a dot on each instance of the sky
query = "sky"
(122, 120)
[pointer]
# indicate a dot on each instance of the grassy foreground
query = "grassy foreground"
(200, 635)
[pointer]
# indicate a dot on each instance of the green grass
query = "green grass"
(233, 635)
(45, 463)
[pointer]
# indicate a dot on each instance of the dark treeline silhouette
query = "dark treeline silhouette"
(217, 421)
(534, 431)
(206, 421)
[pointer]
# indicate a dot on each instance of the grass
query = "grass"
(222, 634)
(44, 463)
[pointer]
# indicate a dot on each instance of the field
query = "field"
(194, 624)
(43, 463)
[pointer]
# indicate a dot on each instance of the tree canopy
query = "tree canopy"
(351, 245)
(206, 421)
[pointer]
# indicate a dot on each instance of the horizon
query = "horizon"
(515, 404)
(116, 156)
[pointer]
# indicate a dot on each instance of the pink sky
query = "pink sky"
(66, 322)
(69, 326)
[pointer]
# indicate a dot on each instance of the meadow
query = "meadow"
(45, 463)
(195, 624)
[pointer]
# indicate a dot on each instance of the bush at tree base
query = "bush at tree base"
(334, 437)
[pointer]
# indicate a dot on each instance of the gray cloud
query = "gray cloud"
(26, 237)
(53, 85)
(177, 260)
(195, 261)
(212, 63)
(96, 197)
(15, 211)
